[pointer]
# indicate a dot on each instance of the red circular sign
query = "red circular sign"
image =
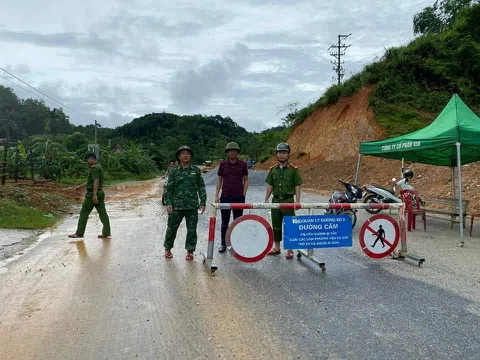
(264, 252)
(379, 236)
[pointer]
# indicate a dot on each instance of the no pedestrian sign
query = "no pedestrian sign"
(317, 231)
(379, 236)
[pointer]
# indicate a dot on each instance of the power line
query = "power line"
(48, 96)
(19, 86)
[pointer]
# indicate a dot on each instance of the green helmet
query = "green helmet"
(283, 147)
(184, 147)
(232, 146)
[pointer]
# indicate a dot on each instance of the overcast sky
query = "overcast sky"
(114, 60)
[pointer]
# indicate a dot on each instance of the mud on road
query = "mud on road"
(60, 200)
(120, 299)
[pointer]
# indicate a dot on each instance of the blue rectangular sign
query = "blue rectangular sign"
(317, 231)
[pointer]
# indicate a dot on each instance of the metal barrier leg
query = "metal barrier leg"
(403, 253)
(309, 255)
(208, 258)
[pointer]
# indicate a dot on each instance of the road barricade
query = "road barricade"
(380, 227)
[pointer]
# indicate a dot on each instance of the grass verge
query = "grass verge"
(16, 216)
(111, 180)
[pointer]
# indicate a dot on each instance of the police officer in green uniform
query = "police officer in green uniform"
(284, 182)
(95, 198)
(184, 188)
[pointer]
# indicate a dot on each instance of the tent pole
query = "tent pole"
(358, 169)
(403, 164)
(453, 184)
(460, 199)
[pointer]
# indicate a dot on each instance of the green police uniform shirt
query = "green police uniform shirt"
(284, 180)
(96, 173)
(184, 188)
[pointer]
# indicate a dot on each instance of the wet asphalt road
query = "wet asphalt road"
(120, 299)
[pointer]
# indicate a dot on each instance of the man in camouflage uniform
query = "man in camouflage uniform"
(171, 166)
(184, 188)
(95, 198)
(284, 181)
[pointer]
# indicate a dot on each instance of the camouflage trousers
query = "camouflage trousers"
(174, 221)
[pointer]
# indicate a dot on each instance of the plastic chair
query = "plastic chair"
(412, 208)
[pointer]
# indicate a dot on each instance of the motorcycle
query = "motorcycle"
(350, 195)
(379, 195)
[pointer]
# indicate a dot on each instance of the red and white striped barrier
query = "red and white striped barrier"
(296, 206)
(208, 258)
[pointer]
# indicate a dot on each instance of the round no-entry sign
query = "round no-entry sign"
(249, 238)
(379, 236)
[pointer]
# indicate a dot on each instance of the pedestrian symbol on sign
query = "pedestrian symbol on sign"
(379, 228)
(380, 236)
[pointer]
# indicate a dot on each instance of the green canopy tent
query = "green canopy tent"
(453, 139)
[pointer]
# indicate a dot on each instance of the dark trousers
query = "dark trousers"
(226, 213)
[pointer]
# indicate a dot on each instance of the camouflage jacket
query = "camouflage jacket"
(184, 188)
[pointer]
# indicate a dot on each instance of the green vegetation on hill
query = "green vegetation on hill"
(137, 150)
(415, 81)
(207, 135)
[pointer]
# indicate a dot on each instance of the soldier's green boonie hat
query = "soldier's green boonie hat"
(232, 146)
(184, 147)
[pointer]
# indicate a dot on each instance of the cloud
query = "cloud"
(192, 88)
(68, 40)
(119, 59)
(126, 22)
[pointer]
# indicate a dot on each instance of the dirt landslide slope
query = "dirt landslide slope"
(325, 147)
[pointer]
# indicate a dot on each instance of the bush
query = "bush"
(264, 159)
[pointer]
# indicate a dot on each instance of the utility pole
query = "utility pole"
(96, 132)
(32, 165)
(17, 163)
(337, 53)
(95, 148)
(5, 154)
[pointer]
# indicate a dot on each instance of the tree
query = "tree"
(34, 116)
(76, 141)
(292, 108)
(440, 16)
(48, 151)
(60, 123)
(10, 114)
